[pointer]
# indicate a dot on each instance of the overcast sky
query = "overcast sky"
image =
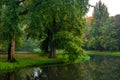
(113, 6)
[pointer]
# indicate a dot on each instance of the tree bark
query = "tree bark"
(53, 50)
(11, 49)
(53, 42)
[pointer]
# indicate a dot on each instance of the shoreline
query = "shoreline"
(36, 59)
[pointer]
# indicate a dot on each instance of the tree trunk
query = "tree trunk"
(53, 42)
(11, 49)
(53, 50)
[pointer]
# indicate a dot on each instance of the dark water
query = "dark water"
(98, 68)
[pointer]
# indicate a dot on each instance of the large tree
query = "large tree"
(100, 15)
(10, 30)
(61, 22)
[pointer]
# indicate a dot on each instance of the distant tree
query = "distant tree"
(110, 39)
(100, 15)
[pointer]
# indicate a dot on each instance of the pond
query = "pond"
(98, 68)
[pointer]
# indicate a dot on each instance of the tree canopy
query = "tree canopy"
(61, 22)
(57, 24)
(100, 15)
(102, 32)
(110, 39)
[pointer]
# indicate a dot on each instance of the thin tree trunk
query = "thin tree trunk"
(11, 50)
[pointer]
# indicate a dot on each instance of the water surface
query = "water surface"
(98, 68)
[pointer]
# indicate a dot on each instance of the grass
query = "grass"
(24, 60)
(112, 53)
(33, 59)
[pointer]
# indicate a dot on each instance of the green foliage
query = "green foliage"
(100, 15)
(110, 34)
(28, 45)
(103, 31)
(65, 21)
(108, 38)
(103, 36)
(9, 21)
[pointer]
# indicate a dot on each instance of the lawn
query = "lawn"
(112, 53)
(28, 59)
(35, 59)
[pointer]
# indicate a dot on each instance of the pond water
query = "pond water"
(98, 68)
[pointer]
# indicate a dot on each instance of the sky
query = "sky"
(113, 6)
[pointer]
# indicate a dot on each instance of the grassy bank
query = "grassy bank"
(24, 60)
(32, 59)
(103, 53)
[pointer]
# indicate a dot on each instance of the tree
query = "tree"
(10, 29)
(61, 22)
(110, 39)
(100, 15)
